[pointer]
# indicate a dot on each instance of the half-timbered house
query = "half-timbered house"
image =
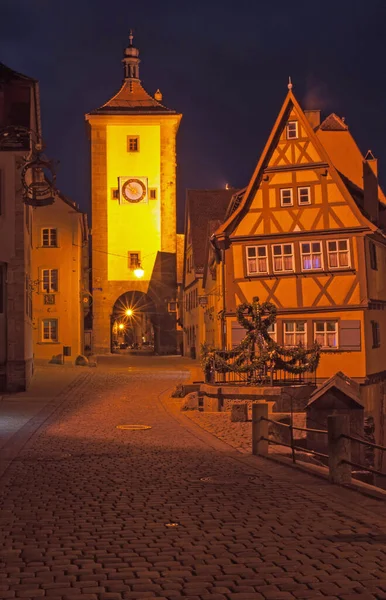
(308, 235)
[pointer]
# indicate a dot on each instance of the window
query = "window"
(326, 333)
(286, 198)
(133, 143)
(376, 334)
(373, 256)
(50, 280)
(50, 330)
(338, 254)
(292, 130)
(304, 195)
(311, 253)
(153, 193)
(272, 331)
(257, 260)
(283, 257)
(50, 237)
(134, 260)
(295, 332)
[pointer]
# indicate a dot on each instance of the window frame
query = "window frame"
(130, 254)
(49, 245)
(376, 334)
(273, 334)
(304, 187)
(373, 256)
(292, 270)
(50, 289)
(337, 240)
(256, 258)
(281, 197)
(129, 139)
(49, 340)
(311, 253)
(325, 332)
(288, 131)
(295, 332)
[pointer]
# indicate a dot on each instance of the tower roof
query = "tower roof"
(132, 98)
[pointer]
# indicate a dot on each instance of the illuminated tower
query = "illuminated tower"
(133, 187)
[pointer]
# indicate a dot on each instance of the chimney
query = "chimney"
(313, 117)
(370, 187)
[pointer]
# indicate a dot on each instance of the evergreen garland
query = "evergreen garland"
(258, 352)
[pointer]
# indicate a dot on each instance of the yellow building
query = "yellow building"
(133, 181)
(203, 209)
(308, 235)
(60, 294)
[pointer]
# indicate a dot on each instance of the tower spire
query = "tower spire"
(131, 60)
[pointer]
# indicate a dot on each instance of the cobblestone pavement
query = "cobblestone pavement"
(92, 512)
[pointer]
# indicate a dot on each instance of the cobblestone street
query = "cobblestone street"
(92, 512)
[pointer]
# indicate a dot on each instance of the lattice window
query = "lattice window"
(283, 257)
(50, 280)
(311, 253)
(338, 254)
(326, 333)
(50, 237)
(257, 260)
(50, 330)
(295, 332)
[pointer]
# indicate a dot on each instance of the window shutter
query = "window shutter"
(238, 333)
(350, 335)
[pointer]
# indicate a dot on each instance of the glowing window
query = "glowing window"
(311, 253)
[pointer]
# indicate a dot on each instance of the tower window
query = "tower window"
(153, 193)
(133, 143)
(50, 237)
(134, 260)
(292, 130)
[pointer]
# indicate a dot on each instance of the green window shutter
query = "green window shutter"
(350, 335)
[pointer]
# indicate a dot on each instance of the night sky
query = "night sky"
(223, 64)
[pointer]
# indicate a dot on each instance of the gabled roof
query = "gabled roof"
(333, 123)
(290, 103)
(8, 74)
(203, 206)
(340, 382)
(132, 98)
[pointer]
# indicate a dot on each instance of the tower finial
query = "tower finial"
(131, 37)
(289, 83)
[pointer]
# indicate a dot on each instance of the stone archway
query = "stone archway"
(134, 318)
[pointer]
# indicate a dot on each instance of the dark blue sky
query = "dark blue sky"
(223, 64)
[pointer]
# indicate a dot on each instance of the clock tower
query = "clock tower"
(133, 189)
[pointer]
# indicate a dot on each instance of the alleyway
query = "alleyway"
(92, 512)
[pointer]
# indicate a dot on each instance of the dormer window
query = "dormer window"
(292, 130)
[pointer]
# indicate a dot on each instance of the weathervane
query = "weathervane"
(289, 83)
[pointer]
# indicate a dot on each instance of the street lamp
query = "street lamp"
(129, 312)
(121, 326)
(138, 271)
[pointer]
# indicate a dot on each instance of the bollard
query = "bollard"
(339, 448)
(259, 428)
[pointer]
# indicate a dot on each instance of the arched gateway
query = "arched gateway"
(133, 180)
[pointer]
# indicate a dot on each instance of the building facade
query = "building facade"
(59, 280)
(204, 209)
(133, 182)
(309, 236)
(19, 130)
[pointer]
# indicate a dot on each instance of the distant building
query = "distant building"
(59, 279)
(308, 235)
(19, 107)
(133, 188)
(202, 208)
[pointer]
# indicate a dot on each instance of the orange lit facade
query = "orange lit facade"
(59, 278)
(308, 234)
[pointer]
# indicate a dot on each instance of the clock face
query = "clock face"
(134, 190)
